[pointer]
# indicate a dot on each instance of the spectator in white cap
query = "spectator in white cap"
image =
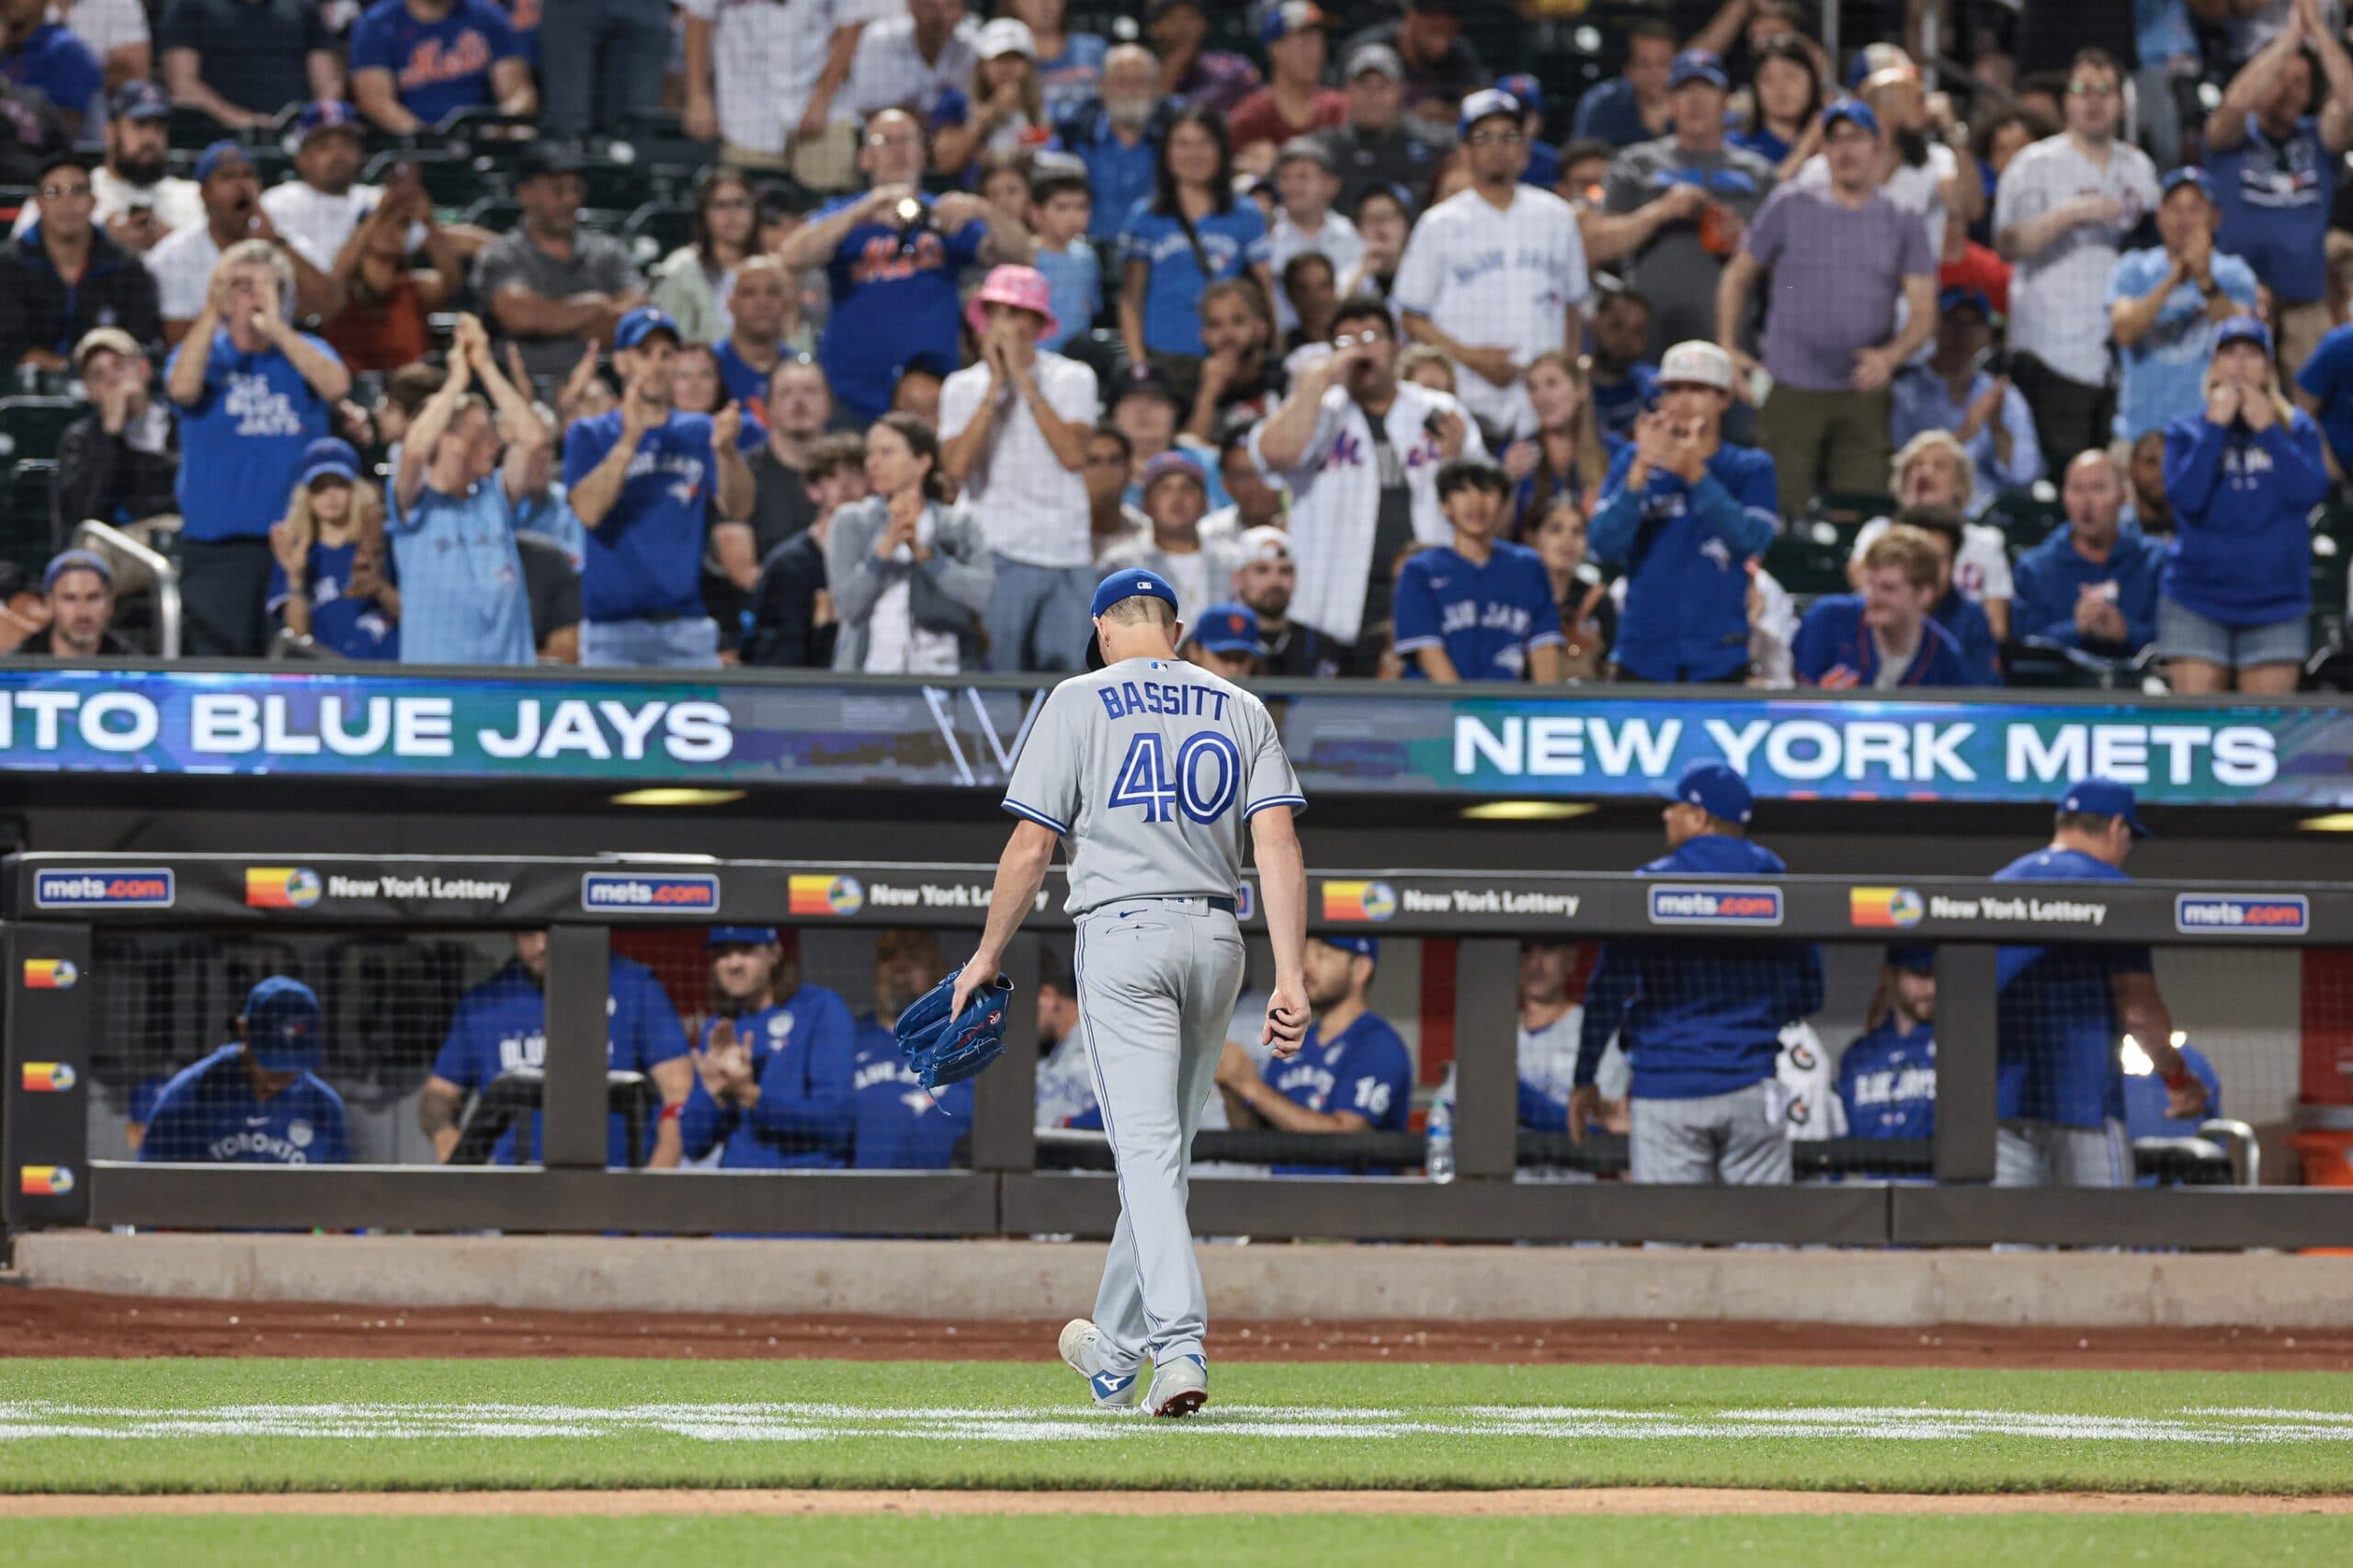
(77, 598)
(1263, 585)
(1494, 275)
(1014, 427)
(1004, 110)
(1359, 451)
(120, 463)
(1685, 514)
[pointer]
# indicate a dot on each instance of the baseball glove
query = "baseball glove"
(944, 1051)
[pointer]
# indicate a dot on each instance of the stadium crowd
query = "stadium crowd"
(1292, 303)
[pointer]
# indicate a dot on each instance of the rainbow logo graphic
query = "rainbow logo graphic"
(282, 887)
(1349, 902)
(48, 1077)
(827, 896)
(51, 974)
(1884, 909)
(44, 1181)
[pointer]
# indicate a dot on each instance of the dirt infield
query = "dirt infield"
(72, 1322)
(1620, 1500)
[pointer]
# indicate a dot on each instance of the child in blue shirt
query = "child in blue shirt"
(1480, 608)
(327, 582)
(1061, 207)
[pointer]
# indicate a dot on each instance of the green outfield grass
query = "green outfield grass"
(70, 1425)
(1230, 1541)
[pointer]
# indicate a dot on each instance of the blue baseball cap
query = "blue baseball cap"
(740, 936)
(139, 101)
(1698, 65)
(1716, 790)
(1486, 104)
(1523, 87)
(1227, 628)
(75, 561)
(326, 114)
(328, 458)
(2244, 329)
(1363, 947)
(1961, 295)
(2104, 798)
(1288, 17)
(2190, 173)
(282, 1025)
(1854, 111)
(218, 156)
(1120, 586)
(1918, 957)
(641, 323)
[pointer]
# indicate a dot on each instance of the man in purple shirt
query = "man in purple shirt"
(1854, 294)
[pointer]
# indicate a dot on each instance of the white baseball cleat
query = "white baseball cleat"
(1081, 1347)
(1179, 1387)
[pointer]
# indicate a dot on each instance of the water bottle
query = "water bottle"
(1439, 1160)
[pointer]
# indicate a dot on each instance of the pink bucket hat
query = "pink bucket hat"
(1023, 287)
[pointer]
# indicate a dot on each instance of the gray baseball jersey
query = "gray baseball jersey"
(1148, 770)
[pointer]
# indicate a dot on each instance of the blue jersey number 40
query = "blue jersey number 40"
(1202, 784)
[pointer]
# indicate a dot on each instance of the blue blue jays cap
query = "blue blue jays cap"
(1918, 957)
(223, 154)
(1697, 66)
(282, 1025)
(2104, 798)
(1125, 586)
(1716, 790)
(1363, 947)
(325, 115)
(1486, 104)
(2190, 173)
(1523, 87)
(1854, 111)
(2244, 329)
(139, 100)
(641, 323)
(328, 458)
(740, 936)
(1227, 628)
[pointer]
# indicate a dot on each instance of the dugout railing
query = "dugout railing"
(53, 906)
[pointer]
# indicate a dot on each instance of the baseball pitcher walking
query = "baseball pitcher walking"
(1148, 768)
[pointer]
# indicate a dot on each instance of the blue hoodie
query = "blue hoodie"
(2050, 577)
(1695, 1018)
(1686, 549)
(801, 1051)
(2242, 550)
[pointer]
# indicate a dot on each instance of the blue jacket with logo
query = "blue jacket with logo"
(1698, 1017)
(2242, 550)
(801, 1051)
(207, 1115)
(1686, 549)
(2056, 1016)
(900, 1125)
(1887, 1080)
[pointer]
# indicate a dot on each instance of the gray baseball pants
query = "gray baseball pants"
(1741, 1139)
(2046, 1153)
(1156, 982)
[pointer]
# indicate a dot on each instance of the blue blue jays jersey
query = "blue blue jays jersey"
(502, 1025)
(1888, 1080)
(2056, 1016)
(899, 1127)
(1364, 1069)
(207, 1114)
(1487, 617)
(800, 1053)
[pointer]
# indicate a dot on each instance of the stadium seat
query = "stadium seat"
(453, 180)
(2024, 520)
(28, 532)
(666, 225)
(1809, 557)
(31, 426)
(1847, 507)
(496, 213)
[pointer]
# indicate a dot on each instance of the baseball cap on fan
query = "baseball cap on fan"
(1135, 582)
(1697, 363)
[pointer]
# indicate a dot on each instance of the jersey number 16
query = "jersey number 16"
(1145, 779)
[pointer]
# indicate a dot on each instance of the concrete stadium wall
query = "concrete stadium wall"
(1049, 1280)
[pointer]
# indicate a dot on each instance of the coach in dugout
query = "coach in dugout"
(2063, 1011)
(772, 1073)
(1701, 1023)
(500, 1025)
(255, 1101)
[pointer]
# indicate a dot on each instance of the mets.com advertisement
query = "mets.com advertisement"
(343, 723)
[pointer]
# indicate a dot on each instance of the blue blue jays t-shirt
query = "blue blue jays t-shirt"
(1118, 174)
(1834, 649)
(1888, 1081)
(1232, 242)
(1364, 1069)
(207, 1114)
(2056, 1016)
(891, 305)
(1486, 615)
(900, 1126)
(242, 439)
(350, 628)
(439, 67)
(2276, 201)
(461, 579)
(502, 1025)
(801, 1051)
(2328, 376)
(645, 558)
(2165, 372)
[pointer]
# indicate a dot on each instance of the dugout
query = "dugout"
(59, 908)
